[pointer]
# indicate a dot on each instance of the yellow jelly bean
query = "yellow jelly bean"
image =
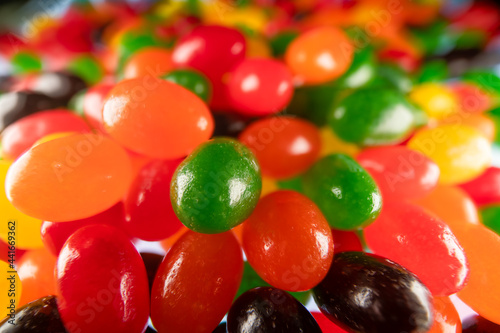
(461, 152)
(436, 100)
(11, 288)
(226, 13)
(27, 228)
(331, 144)
(257, 47)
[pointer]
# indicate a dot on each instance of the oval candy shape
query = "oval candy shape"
(367, 293)
(196, 283)
(267, 309)
(346, 194)
(69, 178)
(216, 187)
(115, 296)
(280, 221)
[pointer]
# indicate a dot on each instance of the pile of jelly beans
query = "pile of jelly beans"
(288, 165)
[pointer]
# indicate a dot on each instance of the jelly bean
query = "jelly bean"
(344, 241)
(433, 71)
(280, 42)
(257, 47)
(11, 286)
(400, 173)
(229, 124)
(216, 187)
(490, 217)
(485, 189)
(58, 85)
(390, 76)
(252, 280)
(214, 51)
(167, 132)
(25, 62)
(36, 270)
(26, 228)
(482, 292)
(472, 99)
(446, 318)
(421, 243)
(435, 99)
(115, 296)
(152, 262)
(55, 234)
(485, 80)
(41, 315)
(93, 102)
(361, 71)
(75, 104)
(344, 192)
(88, 68)
(88, 173)
(319, 55)
(482, 123)
(331, 144)
(284, 146)
(191, 80)
(368, 293)
(21, 135)
(150, 215)
(260, 87)
(280, 221)
(388, 118)
(477, 324)
(325, 324)
(150, 62)
(461, 152)
(198, 279)
(267, 309)
(16, 105)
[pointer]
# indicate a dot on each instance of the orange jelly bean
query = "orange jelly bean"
(150, 62)
(446, 318)
(69, 178)
(137, 116)
(320, 55)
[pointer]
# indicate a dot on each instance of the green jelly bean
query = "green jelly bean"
(373, 117)
(391, 76)
(435, 39)
(26, 62)
(294, 184)
(252, 280)
(280, 42)
(433, 71)
(88, 68)
(76, 102)
(346, 194)
(191, 80)
(216, 187)
(491, 217)
(361, 71)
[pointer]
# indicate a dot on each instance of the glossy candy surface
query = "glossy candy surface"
(400, 173)
(93, 102)
(216, 187)
(437, 101)
(422, 243)
(344, 191)
(150, 215)
(280, 221)
(21, 135)
(284, 146)
(326, 325)
(169, 131)
(388, 118)
(205, 268)
(267, 309)
(319, 55)
(191, 80)
(461, 152)
(368, 293)
(115, 297)
(148, 62)
(260, 87)
(38, 316)
(55, 234)
(69, 178)
(446, 318)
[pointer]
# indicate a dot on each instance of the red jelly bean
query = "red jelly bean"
(259, 87)
(485, 189)
(446, 318)
(102, 283)
(196, 283)
(345, 241)
(21, 135)
(326, 325)
(271, 236)
(400, 173)
(422, 243)
(93, 102)
(136, 115)
(214, 51)
(55, 234)
(150, 215)
(284, 146)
